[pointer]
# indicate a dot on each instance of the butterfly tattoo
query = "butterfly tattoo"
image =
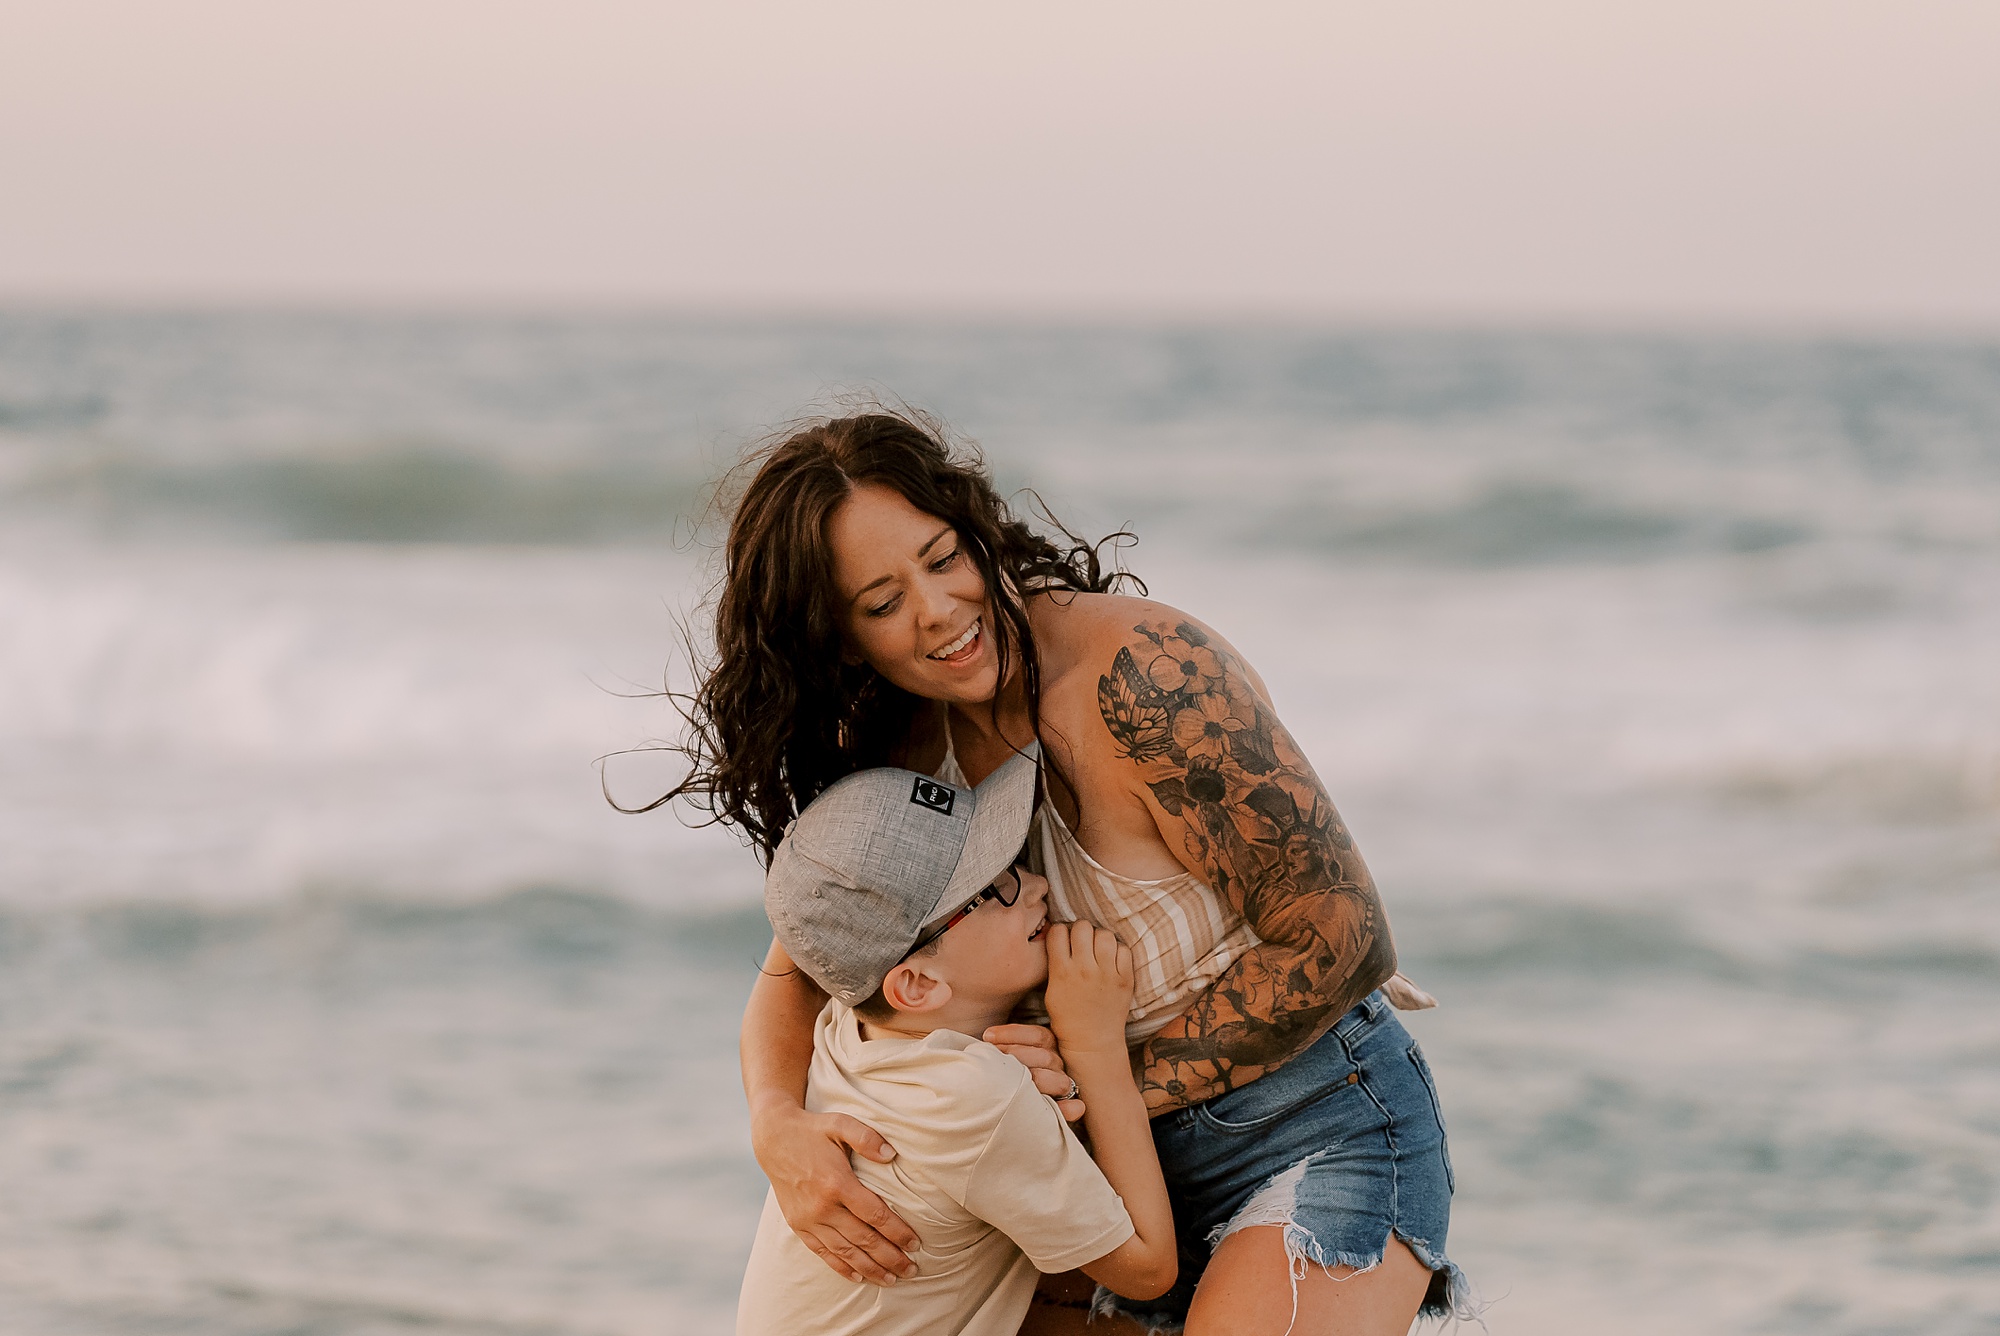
(1134, 710)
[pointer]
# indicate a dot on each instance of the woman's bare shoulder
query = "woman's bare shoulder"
(1086, 631)
(1084, 642)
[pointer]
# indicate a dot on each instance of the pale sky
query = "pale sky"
(1815, 162)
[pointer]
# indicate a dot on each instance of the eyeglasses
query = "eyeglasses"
(1012, 880)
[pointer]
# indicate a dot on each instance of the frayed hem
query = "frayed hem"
(1105, 1304)
(1450, 1296)
(1450, 1301)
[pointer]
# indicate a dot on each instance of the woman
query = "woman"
(881, 605)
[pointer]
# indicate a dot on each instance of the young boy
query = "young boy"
(899, 896)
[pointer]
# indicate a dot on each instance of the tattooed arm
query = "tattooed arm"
(1240, 806)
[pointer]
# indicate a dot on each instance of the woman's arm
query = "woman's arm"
(805, 1154)
(1239, 805)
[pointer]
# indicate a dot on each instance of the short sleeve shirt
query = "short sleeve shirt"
(987, 1173)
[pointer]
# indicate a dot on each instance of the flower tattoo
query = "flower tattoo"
(1256, 822)
(1180, 666)
(1203, 729)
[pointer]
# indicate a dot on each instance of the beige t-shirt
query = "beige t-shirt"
(986, 1172)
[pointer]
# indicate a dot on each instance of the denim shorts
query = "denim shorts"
(1343, 1146)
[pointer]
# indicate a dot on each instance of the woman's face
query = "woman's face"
(911, 602)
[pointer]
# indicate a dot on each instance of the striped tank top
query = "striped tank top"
(1181, 934)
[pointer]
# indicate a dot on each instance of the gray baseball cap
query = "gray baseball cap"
(879, 857)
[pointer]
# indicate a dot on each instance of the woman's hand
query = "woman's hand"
(1034, 1047)
(848, 1227)
(1406, 996)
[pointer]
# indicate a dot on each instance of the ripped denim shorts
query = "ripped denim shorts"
(1343, 1146)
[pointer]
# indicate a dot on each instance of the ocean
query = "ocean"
(1657, 675)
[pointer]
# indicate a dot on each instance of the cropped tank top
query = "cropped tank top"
(1181, 933)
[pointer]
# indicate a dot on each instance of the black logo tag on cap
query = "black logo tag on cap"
(929, 793)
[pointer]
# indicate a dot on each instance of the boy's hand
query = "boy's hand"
(1090, 987)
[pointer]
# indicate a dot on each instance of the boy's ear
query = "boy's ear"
(910, 987)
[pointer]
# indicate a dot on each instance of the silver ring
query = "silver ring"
(1073, 1091)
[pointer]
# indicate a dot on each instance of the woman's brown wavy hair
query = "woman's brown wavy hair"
(779, 715)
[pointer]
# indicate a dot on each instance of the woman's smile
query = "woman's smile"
(962, 650)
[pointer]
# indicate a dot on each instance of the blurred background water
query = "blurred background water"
(1657, 676)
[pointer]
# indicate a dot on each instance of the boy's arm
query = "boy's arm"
(1090, 989)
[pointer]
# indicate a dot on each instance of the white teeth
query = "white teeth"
(958, 644)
